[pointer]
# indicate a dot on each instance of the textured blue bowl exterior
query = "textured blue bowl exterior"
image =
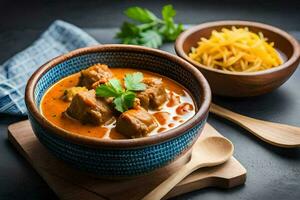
(117, 162)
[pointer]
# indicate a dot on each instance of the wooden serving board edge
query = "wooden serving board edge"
(191, 183)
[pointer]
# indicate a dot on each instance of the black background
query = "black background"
(272, 172)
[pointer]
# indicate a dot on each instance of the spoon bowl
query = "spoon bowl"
(215, 150)
(211, 151)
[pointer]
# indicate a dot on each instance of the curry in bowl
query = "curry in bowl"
(136, 111)
(117, 103)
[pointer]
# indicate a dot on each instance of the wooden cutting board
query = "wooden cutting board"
(69, 183)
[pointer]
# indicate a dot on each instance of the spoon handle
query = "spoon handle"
(161, 190)
(274, 133)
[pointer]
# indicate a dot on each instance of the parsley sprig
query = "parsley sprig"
(123, 97)
(146, 29)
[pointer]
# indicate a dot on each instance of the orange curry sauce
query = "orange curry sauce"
(177, 110)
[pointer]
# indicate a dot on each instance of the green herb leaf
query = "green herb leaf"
(106, 91)
(170, 30)
(123, 99)
(129, 33)
(140, 14)
(116, 85)
(168, 13)
(151, 39)
(112, 89)
(119, 104)
(128, 99)
(149, 30)
(134, 82)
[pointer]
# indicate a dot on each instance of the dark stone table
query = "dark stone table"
(273, 173)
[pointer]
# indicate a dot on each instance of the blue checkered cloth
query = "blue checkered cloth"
(61, 37)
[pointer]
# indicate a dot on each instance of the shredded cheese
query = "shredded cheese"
(236, 49)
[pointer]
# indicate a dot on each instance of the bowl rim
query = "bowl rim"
(294, 43)
(123, 143)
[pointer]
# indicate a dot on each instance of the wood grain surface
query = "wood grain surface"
(281, 135)
(69, 183)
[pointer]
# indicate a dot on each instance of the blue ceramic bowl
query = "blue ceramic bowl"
(116, 158)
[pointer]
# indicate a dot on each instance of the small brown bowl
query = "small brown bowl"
(242, 84)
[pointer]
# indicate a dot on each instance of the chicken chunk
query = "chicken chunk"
(154, 95)
(71, 92)
(86, 108)
(94, 76)
(135, 123)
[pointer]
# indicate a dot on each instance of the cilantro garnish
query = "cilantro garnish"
(147, 29)
(123, 97)
(134, 82)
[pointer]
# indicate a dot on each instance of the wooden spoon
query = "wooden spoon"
(281, 135)
(209, 152)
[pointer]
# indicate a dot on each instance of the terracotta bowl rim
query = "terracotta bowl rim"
(124, 143)
(294, 43)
